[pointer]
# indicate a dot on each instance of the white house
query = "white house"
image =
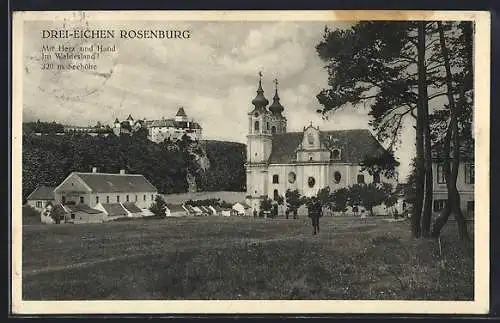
(465, 180)
(175, 210)
(242, 209)
(40, 197)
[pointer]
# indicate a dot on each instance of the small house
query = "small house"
(217, 209)
(175, 210)
(112, 211)
(197, 210)
(40, 197)
(242, 209)
(227, 212)
(212, 210)
(189, 209)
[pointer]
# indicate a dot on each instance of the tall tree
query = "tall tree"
(375, 63)
(423, 113)
(451, 139)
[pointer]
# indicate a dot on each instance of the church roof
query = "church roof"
(130, 117)
(354, 145)
(260, 100)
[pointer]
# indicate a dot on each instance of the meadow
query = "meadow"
(243, 258)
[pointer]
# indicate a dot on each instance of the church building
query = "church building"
(306, 161)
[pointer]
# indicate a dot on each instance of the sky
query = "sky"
(213, 75)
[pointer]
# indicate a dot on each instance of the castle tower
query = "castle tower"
(278, 121)
(259, 144)
(181, 116)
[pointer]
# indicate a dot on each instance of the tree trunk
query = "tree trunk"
(451, 171)
(419, 160)
(424, 105)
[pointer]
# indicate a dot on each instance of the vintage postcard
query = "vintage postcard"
(250, 162)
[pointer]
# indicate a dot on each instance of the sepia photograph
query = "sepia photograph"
(175, 162)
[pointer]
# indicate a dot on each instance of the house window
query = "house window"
(273, 129)
(441, 179)
(38, 204)
(291, 177)
(275, 179)
(256, 126)
(311, 181)
(376, 178)
(63, 199)
(276, 195)
(469, 173)
(72, 216)
(152, 197)
(118, 199)
(136, 198)
(337, 177)
(439, 205)
(144, 197)
(336, 154)
(97, 200)
(81, 199)
(127, 198)
(107, 199)
(361, 179)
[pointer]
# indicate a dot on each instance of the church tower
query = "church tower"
(259, 144)
(278, 121)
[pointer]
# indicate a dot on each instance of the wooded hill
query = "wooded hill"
(216, 165)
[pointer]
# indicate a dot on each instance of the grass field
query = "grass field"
(242, 258)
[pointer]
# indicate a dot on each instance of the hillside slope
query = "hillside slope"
(215, 165)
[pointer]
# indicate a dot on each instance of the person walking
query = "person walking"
(315, 212)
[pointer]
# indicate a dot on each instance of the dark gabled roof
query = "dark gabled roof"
(82, 208)
(42, 192)
(354, 145)
(132, 208)
(175, 208)
(114, 209)
(181, 113)
(117, 183)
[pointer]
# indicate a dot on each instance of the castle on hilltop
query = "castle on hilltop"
(164, 129)
(307, 161)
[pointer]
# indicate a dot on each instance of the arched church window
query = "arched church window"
(291, 177)
(276, 195)
(256, 126)
(361, 179)
(275, 179)
(336, 154)
(337, 177)
(273, 129)
(267, 125)
(256, 114)
(311, 181)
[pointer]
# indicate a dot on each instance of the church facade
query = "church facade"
(306, 161)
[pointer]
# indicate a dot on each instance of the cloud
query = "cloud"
(213, 75)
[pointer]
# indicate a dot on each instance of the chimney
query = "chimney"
(122, 172)
(94, 169)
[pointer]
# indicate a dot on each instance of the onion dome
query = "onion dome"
(276, 106)
(260, 100)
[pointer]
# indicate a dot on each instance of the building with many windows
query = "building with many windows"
(306, 161)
